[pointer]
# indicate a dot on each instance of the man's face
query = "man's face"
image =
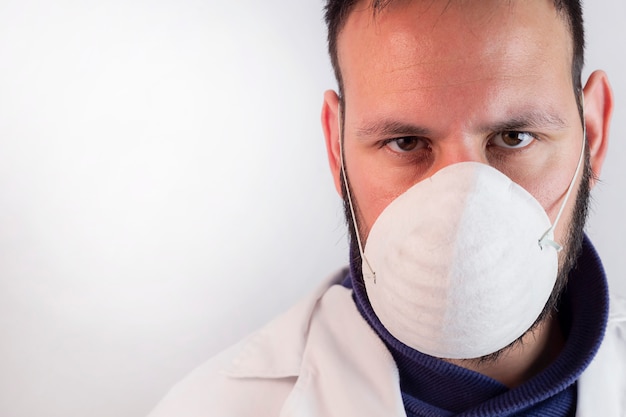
(429, 84)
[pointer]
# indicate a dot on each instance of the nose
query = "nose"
(454, 151)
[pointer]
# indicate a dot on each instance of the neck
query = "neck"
(524, 359)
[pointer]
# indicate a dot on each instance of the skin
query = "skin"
(430, 84)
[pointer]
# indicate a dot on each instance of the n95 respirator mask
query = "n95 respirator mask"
(459, 271)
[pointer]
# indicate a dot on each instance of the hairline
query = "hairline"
(378, 6)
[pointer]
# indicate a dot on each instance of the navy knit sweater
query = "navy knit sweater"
(432, 387)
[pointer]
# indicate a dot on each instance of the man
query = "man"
(464, 146)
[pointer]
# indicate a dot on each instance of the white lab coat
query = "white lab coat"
(321, 358)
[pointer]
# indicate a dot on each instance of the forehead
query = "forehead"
(422, 44)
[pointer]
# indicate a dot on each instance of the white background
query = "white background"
(164, 188)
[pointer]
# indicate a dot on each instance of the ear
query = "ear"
(598, 110)
(330, 125)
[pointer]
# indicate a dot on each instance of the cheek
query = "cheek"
(549, 191)
(549, 186)
(546, 171)
(372, 191)
(371, 199)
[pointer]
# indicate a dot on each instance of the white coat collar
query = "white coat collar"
(318, 332)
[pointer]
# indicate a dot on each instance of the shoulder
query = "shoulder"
(253, 377)
(615, 337)
(616, 327)
(210, 391)
(617, 311)
(602, 385)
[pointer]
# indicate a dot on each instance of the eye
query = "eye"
(406, 144)
(513, 139)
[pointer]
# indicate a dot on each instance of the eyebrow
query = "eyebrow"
(388, 128)
(527, 120)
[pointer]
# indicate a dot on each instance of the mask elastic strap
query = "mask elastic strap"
(547, 240)
(371, 274)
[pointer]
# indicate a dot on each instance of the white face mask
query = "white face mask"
(459, 271)
(462, 263)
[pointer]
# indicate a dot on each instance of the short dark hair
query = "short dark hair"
(337, 11)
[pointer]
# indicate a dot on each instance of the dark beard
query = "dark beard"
(571, 247)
